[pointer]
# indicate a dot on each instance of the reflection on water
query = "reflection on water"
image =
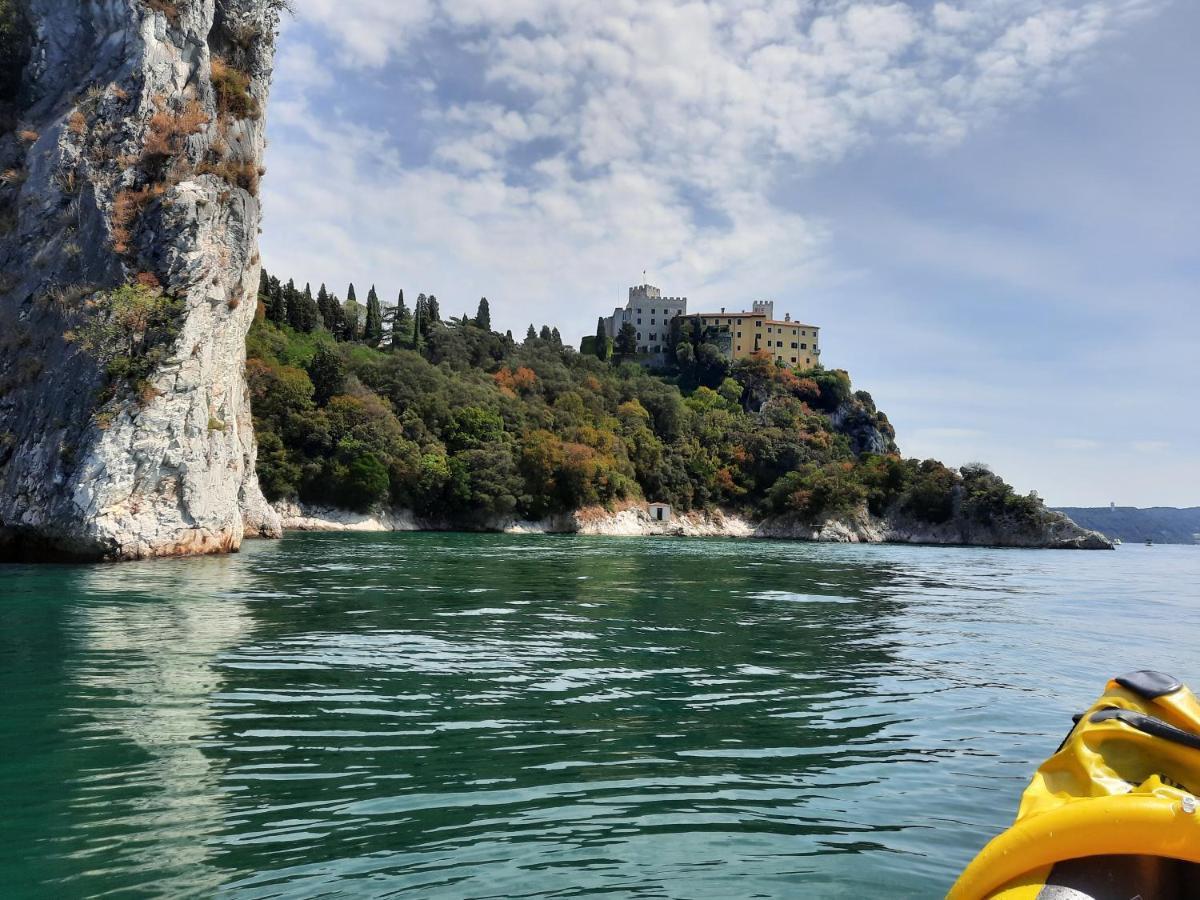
(146, 680)
(472, 716)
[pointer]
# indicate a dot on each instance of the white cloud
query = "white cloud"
(1076, 444)
(668, 124)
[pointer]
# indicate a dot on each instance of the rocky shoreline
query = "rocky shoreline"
(634, 520)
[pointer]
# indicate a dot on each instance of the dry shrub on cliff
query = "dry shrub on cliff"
(168, 8)
(241, 173)
(167, 131)
(232, 87)
(77, 123)
(127, 207)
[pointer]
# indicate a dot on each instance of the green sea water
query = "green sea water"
(491, 716)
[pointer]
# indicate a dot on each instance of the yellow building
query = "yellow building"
(791, 343)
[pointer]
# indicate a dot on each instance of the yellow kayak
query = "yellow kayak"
(1112, 814)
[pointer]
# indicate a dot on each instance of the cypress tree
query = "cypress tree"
(420, 314)
(556, 338)
(546, 335)
(264, 284)
(603, 347)
(295, 314)
(276, 305)
(530, 335)
(309, 315)
(352, 313)
(373, 327)
(627, 341)
(323, 307)
(508, 336)
(402, 323)
(432, 312)
(483, 315)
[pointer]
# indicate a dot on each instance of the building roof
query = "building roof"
(753, 315)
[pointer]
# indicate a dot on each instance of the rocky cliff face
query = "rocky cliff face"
(131, 152)
(1056, 532)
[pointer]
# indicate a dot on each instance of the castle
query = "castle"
(738, 334)
(650, 313)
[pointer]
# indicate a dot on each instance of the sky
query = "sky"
(991, 208)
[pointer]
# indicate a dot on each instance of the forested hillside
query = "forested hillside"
(356, 405)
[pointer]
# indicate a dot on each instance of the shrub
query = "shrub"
(239, 173)
(232, 88)
(128, 207)
(167, 131)
(168, 8)
(129, 330)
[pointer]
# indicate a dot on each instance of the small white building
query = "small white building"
(660, 512)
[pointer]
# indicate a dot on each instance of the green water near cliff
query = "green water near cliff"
(492, 716)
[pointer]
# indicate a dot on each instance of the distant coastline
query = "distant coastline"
(1160, 524)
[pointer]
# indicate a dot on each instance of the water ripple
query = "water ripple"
(480, 716)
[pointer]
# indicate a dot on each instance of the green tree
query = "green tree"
(433, 312)
(276, 304)
(352, 318)
(402, 324)
(545, 335)
(328, 373)
(364, 481)
(483, 315)
(603, 346)
(323, 307)
(303, 313)
(530, 336)
(373, 324)
(627, 341)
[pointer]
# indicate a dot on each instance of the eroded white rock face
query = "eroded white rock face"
(173, 473)
(634, 520)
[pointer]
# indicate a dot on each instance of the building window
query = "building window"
(794, 331)
(769, 329)
(739, 334)
(653, 321)
(639, 335)
(793, 359)
(651, 312)
(639, 321)
(653, 337)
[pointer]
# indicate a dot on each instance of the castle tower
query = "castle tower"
(764, 308)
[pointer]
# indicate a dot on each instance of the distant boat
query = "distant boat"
(1149, 543)
(1117, 542)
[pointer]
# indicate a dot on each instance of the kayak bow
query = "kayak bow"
(1113, 812)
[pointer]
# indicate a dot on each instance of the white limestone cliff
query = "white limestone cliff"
(126, 163)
